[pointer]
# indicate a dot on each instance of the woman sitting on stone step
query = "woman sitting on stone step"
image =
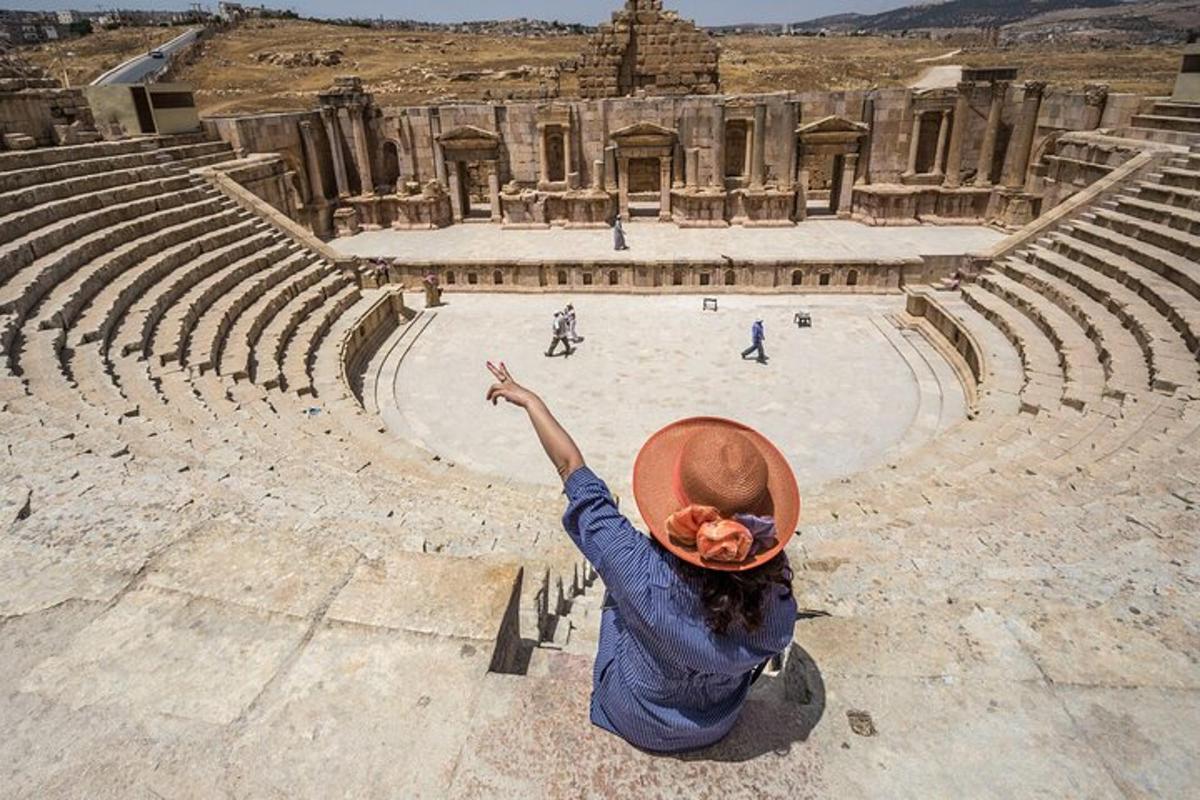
(693, 615)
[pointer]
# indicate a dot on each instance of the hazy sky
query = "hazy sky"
(706, 12)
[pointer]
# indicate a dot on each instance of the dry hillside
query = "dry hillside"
(89, 56)
(281, 65)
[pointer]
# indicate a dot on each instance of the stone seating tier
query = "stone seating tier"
(1016, 542)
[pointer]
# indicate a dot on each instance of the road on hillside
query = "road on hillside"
(145, 67)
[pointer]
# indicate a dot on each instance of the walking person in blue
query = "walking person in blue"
(757, 335)
(619, 235)
(692, 615)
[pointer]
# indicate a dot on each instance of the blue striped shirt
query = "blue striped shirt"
(663, 680)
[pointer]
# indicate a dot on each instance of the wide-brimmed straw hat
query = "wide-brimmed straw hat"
(710, 461)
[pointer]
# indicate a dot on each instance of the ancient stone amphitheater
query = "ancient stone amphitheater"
(223, 578)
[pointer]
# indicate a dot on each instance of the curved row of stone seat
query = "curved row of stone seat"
(234, 356)
(300, 353)
(20, 170)
(267, 358)
(174, 331)
(89, 295)
(136, 331)
(26, 288)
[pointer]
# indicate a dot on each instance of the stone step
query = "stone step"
(209, 339)
(1180, 176)
(27, 287)
(238, 350)
(1167, 194)
(267, 356)
(1117, 350)
(1176, 269)
(1171, 216)
(70, 297)
(1166, 123)
(223, 226)
(37, 199)
(57, 233)
(1082, 375)
(1089, 270)
(29, 226)
(1145, 231)
(301, 350)
(173, 334)
(135, 332)
(1172, 109)
(20, 165)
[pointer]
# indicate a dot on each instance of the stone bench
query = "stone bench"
(142, 321)
(68, 299)
(1126, 289)
(212, 331)
(301, 350)
(29, 285)
(267, 357)
(238, 352)
(221, 227)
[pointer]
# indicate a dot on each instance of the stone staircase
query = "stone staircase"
(1168, 121)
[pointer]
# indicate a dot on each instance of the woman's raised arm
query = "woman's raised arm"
(557, 443)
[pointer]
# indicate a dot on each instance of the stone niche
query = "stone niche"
(646, 49)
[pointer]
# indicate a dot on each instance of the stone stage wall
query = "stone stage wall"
(889, 156)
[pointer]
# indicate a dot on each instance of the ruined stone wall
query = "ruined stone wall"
(35, 111)
(650, 50)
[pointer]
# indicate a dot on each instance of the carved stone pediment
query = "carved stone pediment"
(833, 126)
(468, 137)
(644, 134)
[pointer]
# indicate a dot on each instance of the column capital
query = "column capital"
(1034, 88)
(1094, 94)
(966, 87)
(999, 89)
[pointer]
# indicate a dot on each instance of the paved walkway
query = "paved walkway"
(647, 361)
(818, 240)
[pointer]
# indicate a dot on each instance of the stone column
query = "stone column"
(958, 129)
(802, 195)
(543, 156)
(456, 203)
(329, 117)
(758, 158)
(987, 151)
(358, 121)
(911, 169)
(439, 157)
(1095, 95)
(316, 180)
(789, 150)
(494, 190)
(866, 143)
(943, 132)
(1022, 140)
(598, 175)
(845, 200)
(664, 188)
(718, 149)
(693, 167)
(623, 187)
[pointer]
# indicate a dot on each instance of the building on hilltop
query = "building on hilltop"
(646, 49)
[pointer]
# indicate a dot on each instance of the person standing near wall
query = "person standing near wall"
(619, 235)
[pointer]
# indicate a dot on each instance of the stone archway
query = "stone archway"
(463, 147)
(639, 147)
(838, 140)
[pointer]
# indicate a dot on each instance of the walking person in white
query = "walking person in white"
(571, 334)
(559, 333)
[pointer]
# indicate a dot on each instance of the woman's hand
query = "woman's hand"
(505, 387)
(555, 440)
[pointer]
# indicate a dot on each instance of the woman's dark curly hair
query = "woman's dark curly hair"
(737, 598)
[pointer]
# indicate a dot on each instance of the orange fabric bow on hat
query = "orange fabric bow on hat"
(716, 539)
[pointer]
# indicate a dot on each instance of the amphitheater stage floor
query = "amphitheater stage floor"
(814, 239)
(837, 397)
